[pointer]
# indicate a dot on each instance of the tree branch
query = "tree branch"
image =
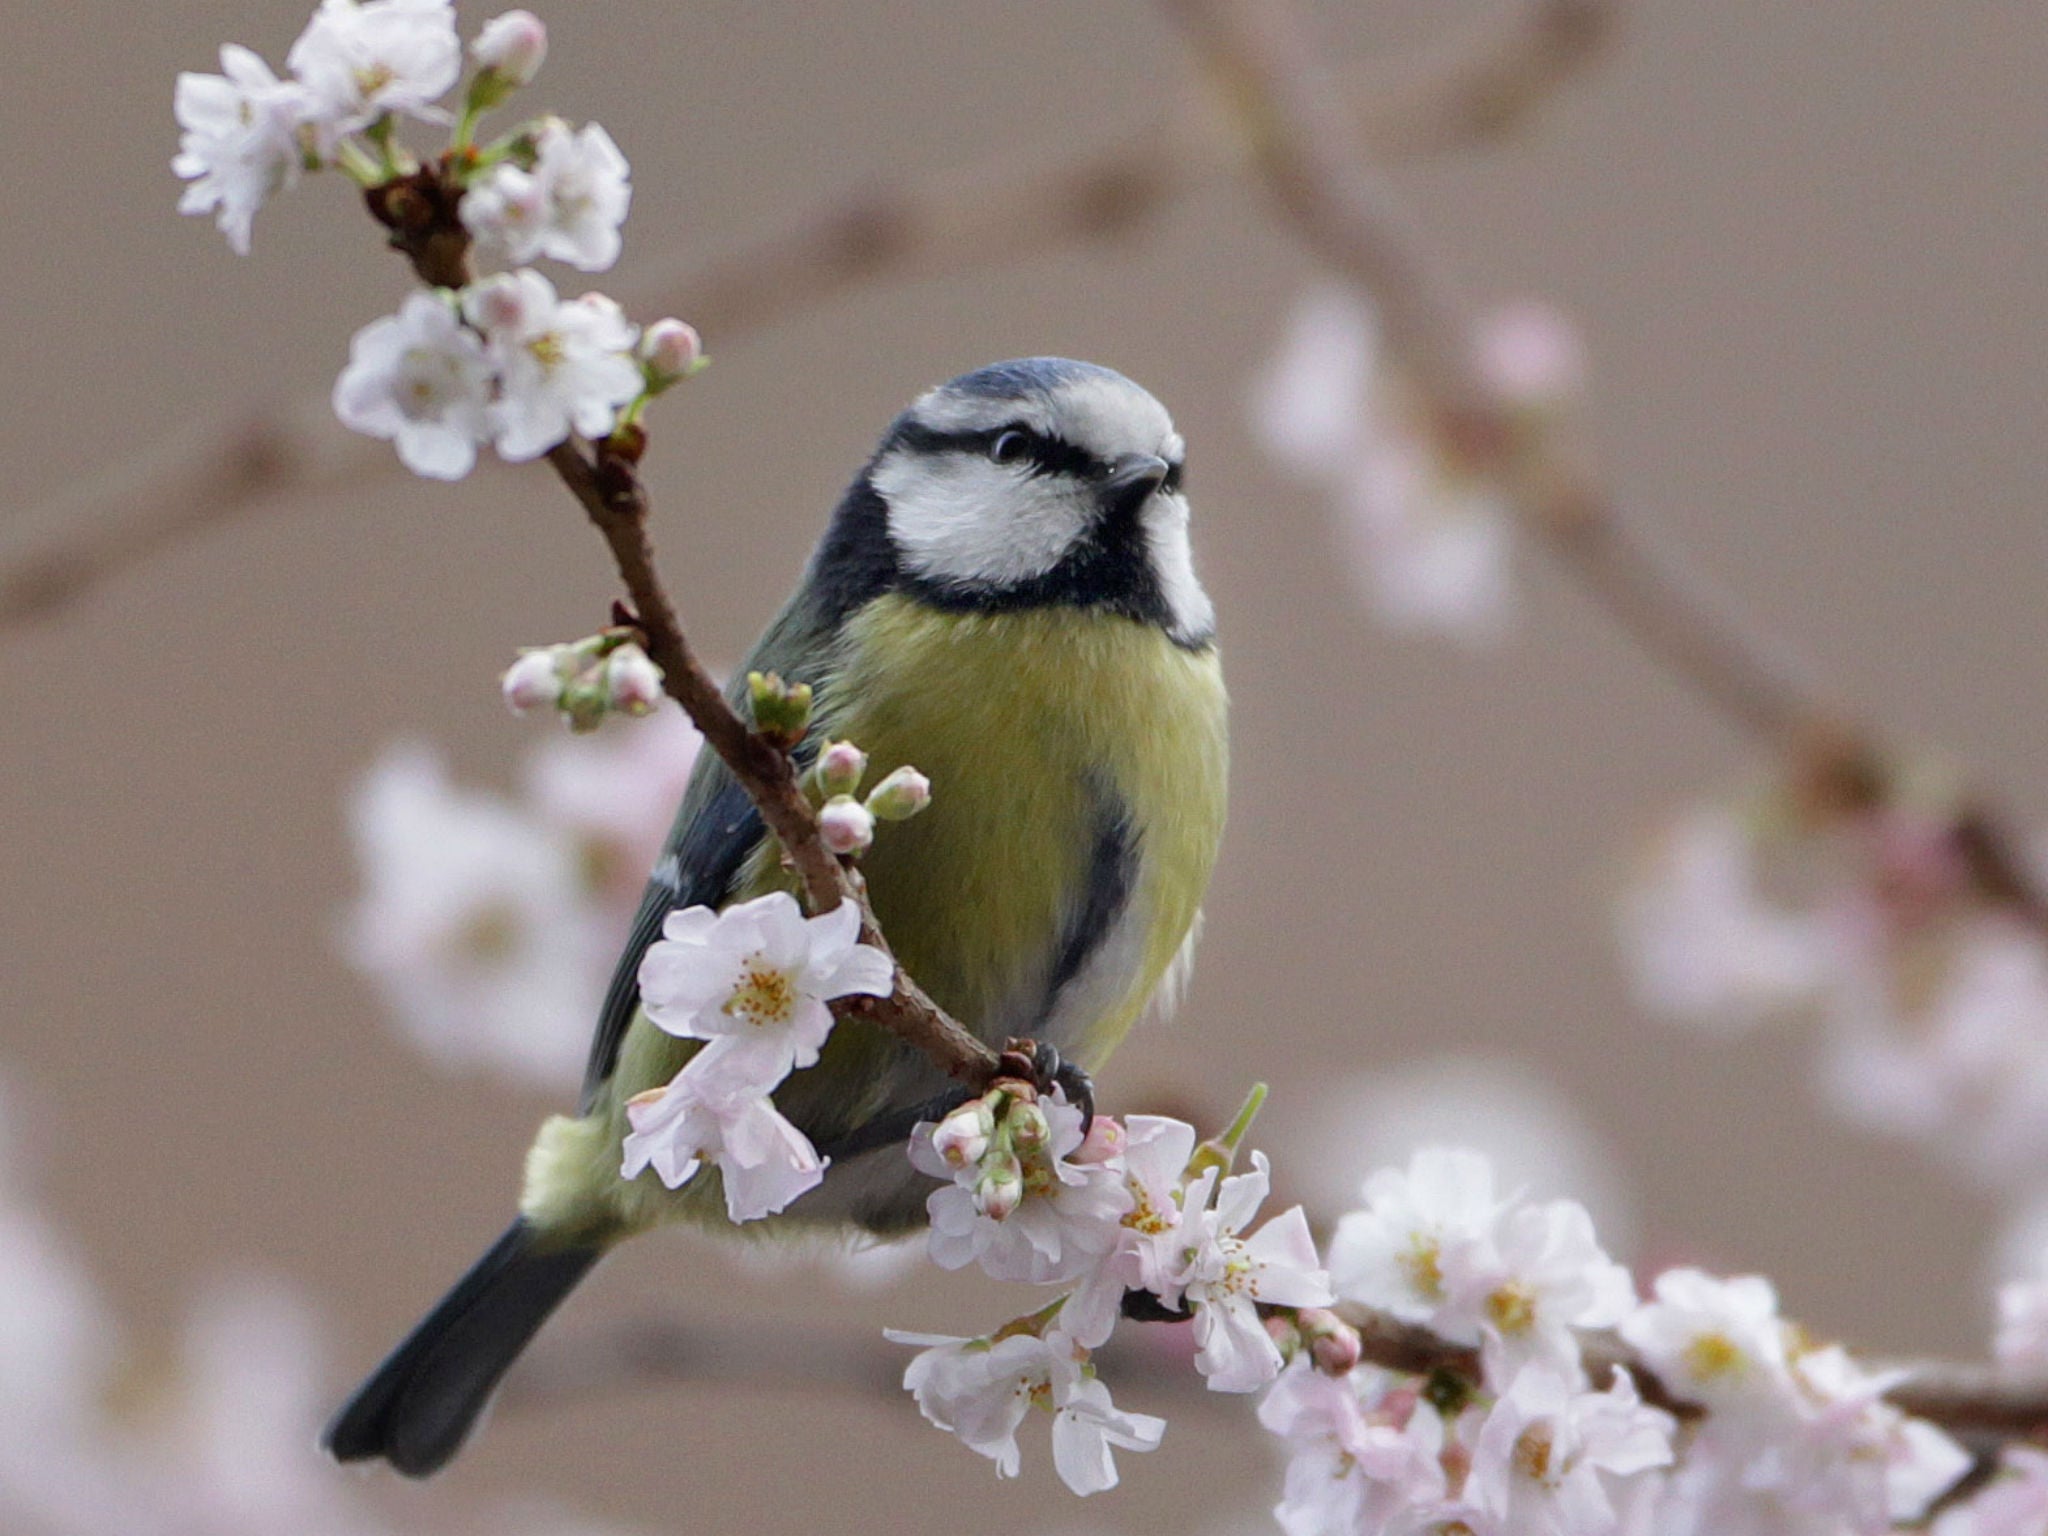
(997, 213)
(419, 211)
(1973, 1401)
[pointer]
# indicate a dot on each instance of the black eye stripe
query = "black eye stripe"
(1046, 455)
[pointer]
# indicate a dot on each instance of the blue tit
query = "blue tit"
(1005, 598)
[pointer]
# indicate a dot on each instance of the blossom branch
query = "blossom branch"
(1477, 90)
(1965, 1398)
(1297, 128)
(420, 213)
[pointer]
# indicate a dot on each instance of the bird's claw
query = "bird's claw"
(1049, 1071)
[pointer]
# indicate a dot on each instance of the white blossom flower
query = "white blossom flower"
(419, 377)
(1362, 1449)
(1067, 1219)
(1544, 1276)
(755, 981)
(1719, 1342)
(1548, 1456)
(764, 1161)
(1223, 1277)
(562, 366)
(1395, 1253)
(980, 1390)
(1701, 943)
(570, 206)
(473, 923)
(363, 59)
(239, 142)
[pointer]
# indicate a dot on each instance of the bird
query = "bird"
(1005, 597)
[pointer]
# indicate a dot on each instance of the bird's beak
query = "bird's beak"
(1132, 479)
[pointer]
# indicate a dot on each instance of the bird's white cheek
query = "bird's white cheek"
(961, 519)
(1173, 566)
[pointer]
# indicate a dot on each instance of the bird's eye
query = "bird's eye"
(1009, 446)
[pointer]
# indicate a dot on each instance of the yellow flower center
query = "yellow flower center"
(764, 996)
(1532, 1452)
(547, 349)
(1512, 1308)
(1423, 1265)
(1714, 1354)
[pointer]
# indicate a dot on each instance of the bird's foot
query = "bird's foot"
(1043, 1067)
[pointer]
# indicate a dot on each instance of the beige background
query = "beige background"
(1805, 242)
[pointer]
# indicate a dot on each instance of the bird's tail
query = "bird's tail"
(420, 1404)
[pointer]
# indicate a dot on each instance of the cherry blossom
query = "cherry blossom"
(239, 140)
(420, 378)
(363, 59)
(1224, 1277)
(1415, 1227)
(764, 1161)
(1548, 1456)
(1718, 1342)
(755, 981)
(569, 206)
(982, 1389)
(562, 366)
(1066, 1215)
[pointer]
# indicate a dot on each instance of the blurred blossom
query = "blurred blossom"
(614, 794)
(1701, 942)
(491, 925)
(1430, 538)
(1934, 1004)
(1502, 1107)
(473, 922)
(1964, 1069)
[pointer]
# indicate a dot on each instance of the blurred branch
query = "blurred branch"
(997, 213)
(1974, 1401)
(1296, 127)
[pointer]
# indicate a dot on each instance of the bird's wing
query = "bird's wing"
(714, 832)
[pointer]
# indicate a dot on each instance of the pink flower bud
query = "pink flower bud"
(901, 795)
(632, 681)
(511, 46)
(671, 350)
(532, 682)
(1103, 1143)
(846, 825)
(840, 767)
(1333, 1344)
(962, 1137)
(1001, 1189)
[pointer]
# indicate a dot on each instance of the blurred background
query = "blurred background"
(1803, 245)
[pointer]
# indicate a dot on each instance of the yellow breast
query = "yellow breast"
(1024, 720)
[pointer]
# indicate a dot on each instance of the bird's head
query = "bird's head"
(1033, 483)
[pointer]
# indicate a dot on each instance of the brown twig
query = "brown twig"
(993, 214)
(1977, 1402)
(1299, 135)
(419, 211)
